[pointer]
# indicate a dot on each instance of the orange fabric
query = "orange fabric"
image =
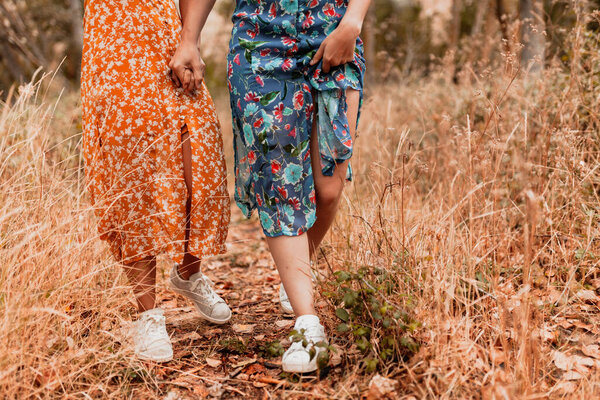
(133, 116)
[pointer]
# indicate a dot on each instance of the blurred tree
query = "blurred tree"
(40, 33)
(533, 28)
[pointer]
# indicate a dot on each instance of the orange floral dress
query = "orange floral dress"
(133, 117)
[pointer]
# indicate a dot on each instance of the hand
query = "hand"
(338, 47)
(187, 67)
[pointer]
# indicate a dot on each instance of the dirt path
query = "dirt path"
(239, 358)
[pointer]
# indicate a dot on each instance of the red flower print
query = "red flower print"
(242, 23)
(237, 59)
(340, 77)
(312, 197)
(282, 192)
(348, 143)
(251, 96)
(292, 133)
(288, 41)
(329, 10)
(259, 200)
(273, 11)
(239, 104)
(309, 109)
(275, 167)
(294, 202)
(258, 123)
(309, 21)
(317, 73)
(339, 3)
(279, 112)
(288, 127)
(287, 64)
(313, 3)
(260, 81)
(265, 52)
(252, 157)
(298, 100)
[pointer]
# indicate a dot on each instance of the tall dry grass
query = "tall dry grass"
(61, 297)
(481, 195)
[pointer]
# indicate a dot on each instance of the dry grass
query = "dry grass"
(482, 195)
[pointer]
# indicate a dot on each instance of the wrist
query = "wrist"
(189, 38)
(353, 24)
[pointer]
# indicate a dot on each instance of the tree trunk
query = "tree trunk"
(77, 33)
(531, 13)
(455, 23)
(501, 16)
(483, 7)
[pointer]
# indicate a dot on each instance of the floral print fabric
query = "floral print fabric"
(274, 95)
(133, 116)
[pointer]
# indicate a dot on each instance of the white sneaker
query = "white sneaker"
(200, 290)
(150, 337)
(284, 300)
(297, 358)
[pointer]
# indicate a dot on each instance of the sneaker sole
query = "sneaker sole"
(299, 370)
(155, 359)
(210, 319)
(202, 314)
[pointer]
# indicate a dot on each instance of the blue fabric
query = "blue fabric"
(274, 92)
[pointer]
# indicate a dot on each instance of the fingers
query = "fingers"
(319, 55)
(327, 64)
(174, 78)
(198, 70)
(188, 80)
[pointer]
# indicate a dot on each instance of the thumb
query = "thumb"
(319, 55)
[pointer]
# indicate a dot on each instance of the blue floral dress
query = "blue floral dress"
(275, 93)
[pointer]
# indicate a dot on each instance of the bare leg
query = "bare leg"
(142, 276)
(291, 255)
(191, 264)
(329, 188)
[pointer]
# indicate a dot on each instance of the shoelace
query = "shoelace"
(203, 286)
(153, 324)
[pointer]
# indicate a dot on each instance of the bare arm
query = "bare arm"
(338, 47)
(187, 64)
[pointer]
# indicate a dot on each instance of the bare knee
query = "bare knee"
(330, 194)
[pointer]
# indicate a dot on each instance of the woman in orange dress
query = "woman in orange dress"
(154, 156)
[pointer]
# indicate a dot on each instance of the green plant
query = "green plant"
(381, 331)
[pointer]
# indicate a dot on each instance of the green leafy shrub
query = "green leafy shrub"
(382, 332)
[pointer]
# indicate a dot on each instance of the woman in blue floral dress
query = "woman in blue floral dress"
(295, 70)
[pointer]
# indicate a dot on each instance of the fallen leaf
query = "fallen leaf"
(497, 356)
(335, 358)
(212, 362)
(282, 323)
(592, 350)
(255, 368)
(565, 387)
(381, 388)
(572, 376)
(241, 328)
(587, 295)
(573, 362)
